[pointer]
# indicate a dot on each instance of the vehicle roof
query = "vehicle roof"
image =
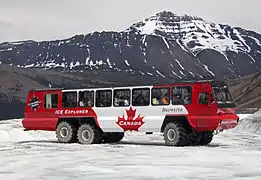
(212, 82)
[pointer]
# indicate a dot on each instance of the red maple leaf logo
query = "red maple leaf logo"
(130, 123)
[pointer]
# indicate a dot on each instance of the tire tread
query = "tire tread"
(73, 130)
(182, 133)
(95, 132)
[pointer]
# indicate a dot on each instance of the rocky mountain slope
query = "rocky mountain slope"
(15, 83)
(247, 91)
(163, 45)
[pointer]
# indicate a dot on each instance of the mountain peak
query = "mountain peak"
(193, 33)
(165, 15)
(162, 21)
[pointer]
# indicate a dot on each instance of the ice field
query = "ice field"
(36, 155)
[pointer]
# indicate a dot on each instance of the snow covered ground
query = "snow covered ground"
(234, 154)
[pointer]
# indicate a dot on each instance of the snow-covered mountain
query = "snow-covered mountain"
(194, 34)
(164, 45)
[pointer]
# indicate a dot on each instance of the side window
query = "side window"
(86, 98)
(103, 98)
(121, 97)
(160, 96)
(203, 98)
(51, 101)
(69, 99)
(218, 94)
(182, 95)
(141, 97)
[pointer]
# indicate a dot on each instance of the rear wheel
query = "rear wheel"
(113, 137)
(175, 134)
(88, 134)
(66, 132)
(206, 138)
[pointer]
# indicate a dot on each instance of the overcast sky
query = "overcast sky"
(57, 19)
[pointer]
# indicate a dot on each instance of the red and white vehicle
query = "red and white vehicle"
(186, 113)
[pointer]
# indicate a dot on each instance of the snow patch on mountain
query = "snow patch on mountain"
(176, 74)
(166, 42)
(127, 63)
(109, 63)
(256, 40)
(179, 64)
(206, 67)
(160, 73)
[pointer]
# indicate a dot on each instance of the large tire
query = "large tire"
(175, 134)
(88, 134)
(66, 132)
(206, 138)
(113, 137)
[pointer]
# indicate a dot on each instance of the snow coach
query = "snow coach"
(185, 113)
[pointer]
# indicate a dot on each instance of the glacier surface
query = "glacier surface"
(30, 155)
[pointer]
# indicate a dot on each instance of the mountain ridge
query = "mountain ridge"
(188, 53)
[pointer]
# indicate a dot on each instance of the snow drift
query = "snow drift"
(251, 123)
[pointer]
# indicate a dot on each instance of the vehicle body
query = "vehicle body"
(190, 114)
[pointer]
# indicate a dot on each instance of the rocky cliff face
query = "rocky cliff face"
(247, 91)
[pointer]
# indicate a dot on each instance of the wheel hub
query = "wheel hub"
(64, 132)
(86, 135)
(171, 134)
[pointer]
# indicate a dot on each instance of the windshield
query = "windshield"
(222, 95)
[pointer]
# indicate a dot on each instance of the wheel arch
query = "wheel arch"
(181, 119)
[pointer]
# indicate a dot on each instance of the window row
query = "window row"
(121, 97)
(125, 97)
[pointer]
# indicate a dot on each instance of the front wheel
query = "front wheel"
(175, 134)
(206, 138)
(88, 134)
